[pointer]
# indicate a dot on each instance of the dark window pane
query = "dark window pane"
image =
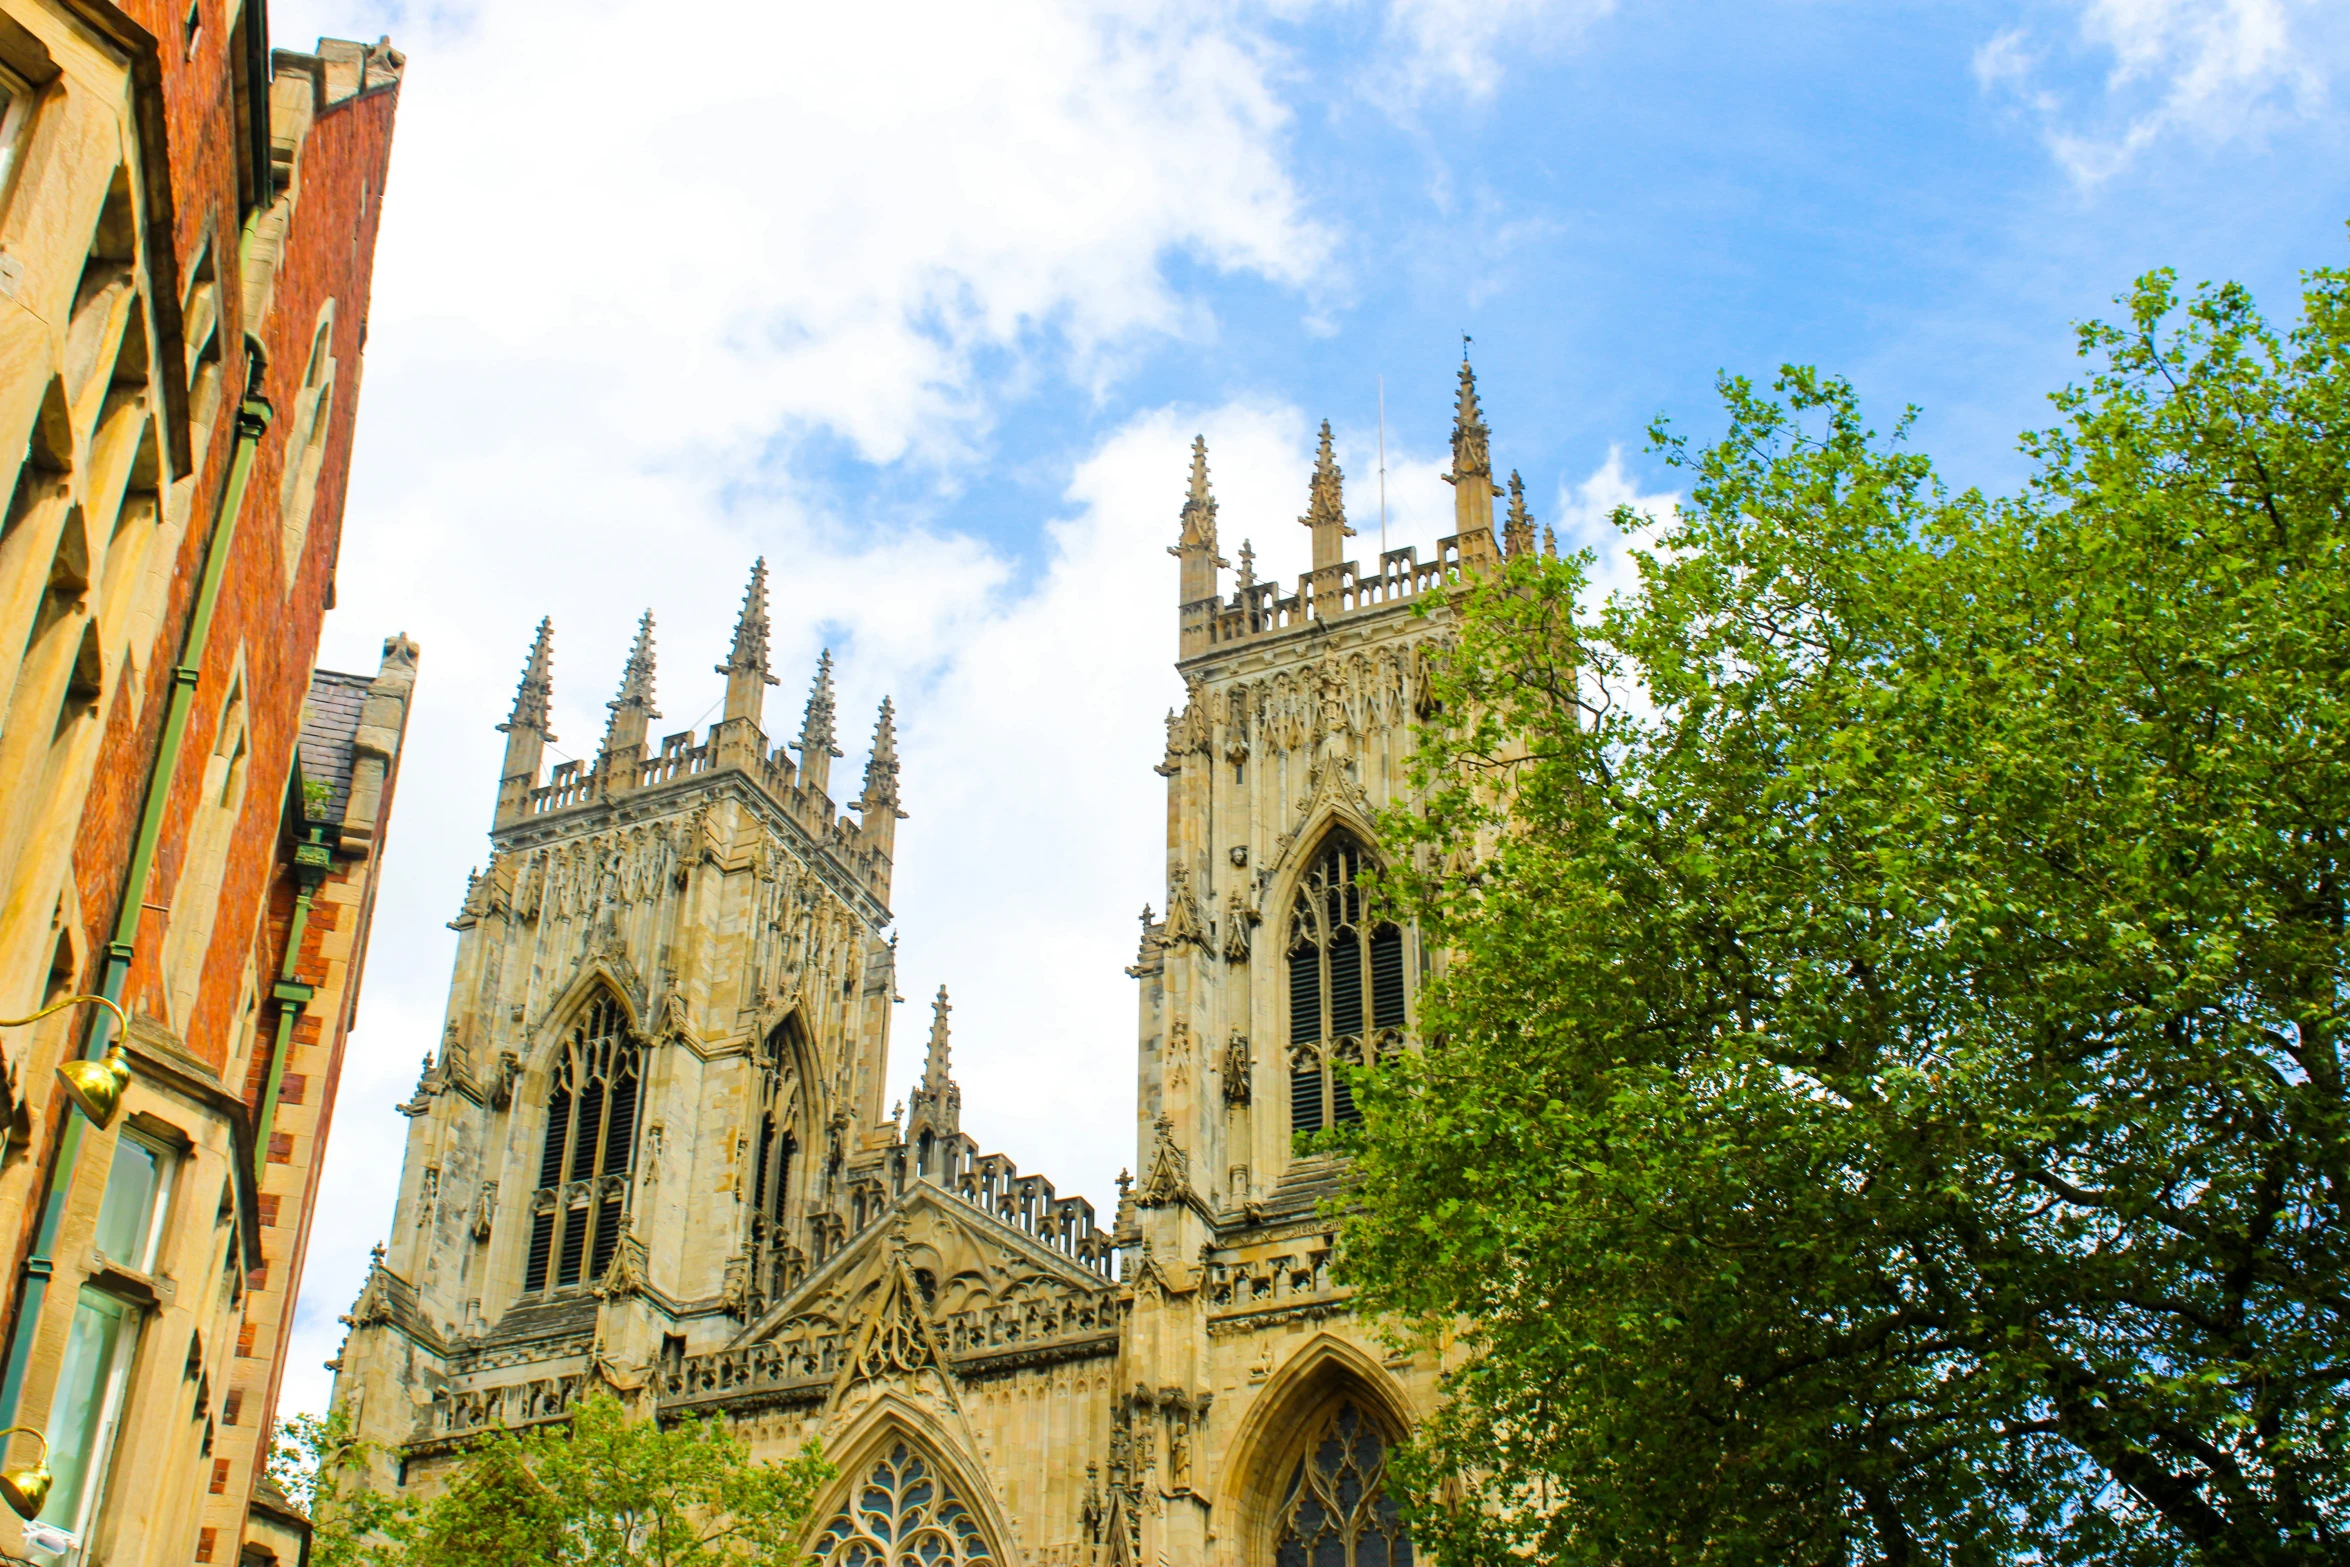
(759, 1168)
(607, 1239)
(534, 1267)
(1342, 1099)
(1305, 1100)
(1387, 977)
(591, 1113)
(1305, 994)
(1346, 984)
(558, 1124)
(574, 1243)
(620, 1139)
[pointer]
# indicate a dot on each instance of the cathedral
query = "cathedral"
(651, 1154)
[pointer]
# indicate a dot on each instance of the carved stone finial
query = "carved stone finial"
(1472, 457)
(1248, 565)
(633, 708)
(818, 744)
(1168, 1180)
(1517, 531)
(1196, 548)
(1326, 506)
(881, 766)
(749, 653)
(532, 694)
(938, 1102)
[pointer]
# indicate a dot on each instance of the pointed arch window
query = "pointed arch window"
(1335, 1511)
(904, 1511)
(777, 1262)
(1346, 984)
(580, 1207)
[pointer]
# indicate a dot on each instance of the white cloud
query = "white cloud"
(1586, 520)
(2211, 70)
(1448, 45)
(614, 305)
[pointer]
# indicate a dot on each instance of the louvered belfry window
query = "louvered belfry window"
(581, 1203)
(1346, 998)
(776, 1260)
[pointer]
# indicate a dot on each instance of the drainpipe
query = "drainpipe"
(252, 419)
(310, 866)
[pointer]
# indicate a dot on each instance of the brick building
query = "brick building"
(191, 817)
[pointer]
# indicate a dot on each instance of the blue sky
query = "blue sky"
(926, 302)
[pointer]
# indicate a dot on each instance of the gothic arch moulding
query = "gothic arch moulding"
(596, 976)
(1287, 1418)
(897, 1456)
(1303, 847)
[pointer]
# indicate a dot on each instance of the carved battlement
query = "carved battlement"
(991, 1183)
(1260, 609)
(1335, 587)
(621, 770)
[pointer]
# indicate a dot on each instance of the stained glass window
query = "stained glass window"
(1336, 1511)
(904, 1515)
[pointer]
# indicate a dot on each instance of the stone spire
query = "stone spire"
(1471, 478)
(1197, 547)
(938, 1102)
(536, 688)
(525, 727)
(1517, 531)
(633, 708)
(745, 669)
(881, 766)
(877, 808)
(1248, 565)
(816, 744)
(1326, 507)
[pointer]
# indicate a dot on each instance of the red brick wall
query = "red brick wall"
(277, 629)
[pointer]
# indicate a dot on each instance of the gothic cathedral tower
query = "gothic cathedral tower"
(650, 1156)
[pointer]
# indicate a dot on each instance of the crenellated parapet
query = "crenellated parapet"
(629, 778)
(1338, 589)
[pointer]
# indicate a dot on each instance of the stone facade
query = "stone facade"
(187, 228)
(650, 1155)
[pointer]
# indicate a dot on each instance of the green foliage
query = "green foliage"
(604, 1491)
(316, 793)
(321, 1467)
(1885, 1101)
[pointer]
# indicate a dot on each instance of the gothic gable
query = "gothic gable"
(979, 1282)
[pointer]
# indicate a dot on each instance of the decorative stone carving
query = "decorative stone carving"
(1239, 1069)
(485, 1210)
(1240, 920)
(1184, 920)
(503, 1077)
(626, 1275)
(1167, 1180)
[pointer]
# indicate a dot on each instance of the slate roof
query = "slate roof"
(330, 719)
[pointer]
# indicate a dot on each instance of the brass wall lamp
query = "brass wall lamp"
(25, 1487)
(95, 1087)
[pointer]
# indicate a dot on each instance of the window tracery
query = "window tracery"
(1335, 1511)
(777, 1261)
(578, 1210)
(1346, 985)
(904, 1514)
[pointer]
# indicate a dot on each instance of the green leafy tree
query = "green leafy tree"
(602, 1491)
(321, 1467)
(1884, 1099)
